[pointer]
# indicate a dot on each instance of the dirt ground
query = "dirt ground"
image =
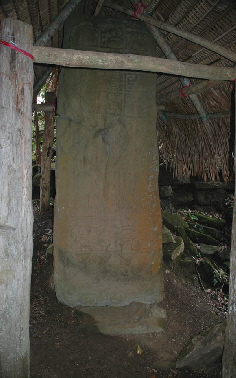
(66, 343)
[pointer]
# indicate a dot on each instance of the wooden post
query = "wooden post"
(37, 139)
(16, 217)
(46, 155)
(229, 355)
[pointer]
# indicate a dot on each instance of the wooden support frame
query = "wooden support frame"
(181, 33)
(53, 27)
(194, 116)
(193, 89)
(16, 216)
(159, 38)
(111, 61)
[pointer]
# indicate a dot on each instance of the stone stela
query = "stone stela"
(107, 230)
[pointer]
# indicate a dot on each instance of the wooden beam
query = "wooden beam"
(193, 89)
(43, 107)
(195, 116)
(53, 27)
(161, 41)
(110, 61)
(37, 139)
(40, 83)
(181, 33)
(16, 217)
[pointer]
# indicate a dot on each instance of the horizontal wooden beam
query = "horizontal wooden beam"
(165, 115)
(193, 89)
(181, 33)
(43, 107)
(111, 61)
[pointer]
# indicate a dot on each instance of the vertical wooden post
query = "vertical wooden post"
(46, 155)
(37, 139)
(16, 218)
(229, 355)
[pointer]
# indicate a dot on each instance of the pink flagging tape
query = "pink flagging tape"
(14, 47)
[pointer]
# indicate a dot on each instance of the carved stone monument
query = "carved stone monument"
(107, 230)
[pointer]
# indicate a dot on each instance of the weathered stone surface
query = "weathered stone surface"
(179, 248)
(167, 236)
(108, 229)
(210, 221)
(224, 255)
(172, 250)
(200, 237)
(165, 191)
(135, 318)
(203, 349)
(216, 234)
(173, 221)
(166, 178)
(208, 249)
(203, 185)
(182, 196)
(211, 197)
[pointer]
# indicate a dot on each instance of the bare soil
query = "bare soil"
(67, 343)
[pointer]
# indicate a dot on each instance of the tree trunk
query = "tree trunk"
(16, 218)
(46, 155)
(229, 355)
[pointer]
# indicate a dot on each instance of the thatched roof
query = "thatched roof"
(194, 131)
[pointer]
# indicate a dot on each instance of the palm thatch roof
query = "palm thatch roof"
(195, 120)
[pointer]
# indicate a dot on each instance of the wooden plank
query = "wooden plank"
(111, 61)
(16, 217)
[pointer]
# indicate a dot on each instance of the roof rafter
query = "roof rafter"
(189, 36)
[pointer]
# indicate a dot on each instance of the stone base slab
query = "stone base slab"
(136, 318)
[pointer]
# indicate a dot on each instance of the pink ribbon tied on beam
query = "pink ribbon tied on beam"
(140, 8)
(181, 92)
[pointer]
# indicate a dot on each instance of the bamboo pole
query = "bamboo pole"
(181, 33)
(48, 33)
(42, 81)
(16, 216)
(193, 89)
(111, 61)
(53, 27)
(98, 7)
(184, 80)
